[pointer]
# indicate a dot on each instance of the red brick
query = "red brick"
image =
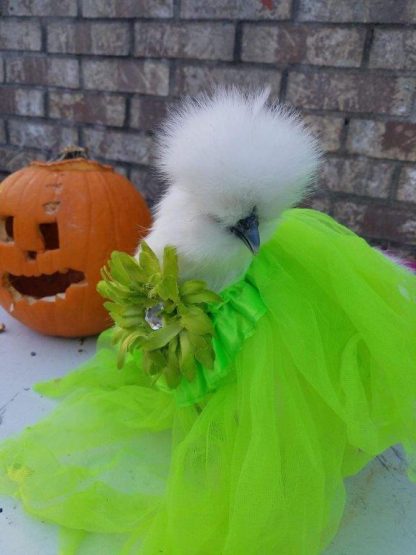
(328, 46)
(327, 129)
(394, 49)
(236, 9)
(2, 132)
(358, 176)
(23, 102)
(147, 113)
(89, 38)
(147, 184)
(119, 146)
(26, 133)
(350, 214)
(320, 203)
(393, 139)
(378, 222)
(148, 77)
(40, 7)
(88, 107)
(365, 11)
(20, 35)
(206, 41)
(318, 200)
(194, 79)
(407, 185)
(351, 91)
(13, 158)
(37, 70)
(127, 8)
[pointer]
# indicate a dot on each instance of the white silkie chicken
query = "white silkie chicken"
(314, 371)
(233, 163)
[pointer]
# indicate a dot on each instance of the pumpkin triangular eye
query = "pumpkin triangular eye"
(50, 235)
(6, 228)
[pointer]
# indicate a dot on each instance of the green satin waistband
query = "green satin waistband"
(234, 321)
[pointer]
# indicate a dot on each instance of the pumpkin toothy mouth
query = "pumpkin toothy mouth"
(43, 287)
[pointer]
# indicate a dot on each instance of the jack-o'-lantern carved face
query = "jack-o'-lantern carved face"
(59, 222)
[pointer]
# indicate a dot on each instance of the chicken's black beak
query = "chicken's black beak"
(247, 229)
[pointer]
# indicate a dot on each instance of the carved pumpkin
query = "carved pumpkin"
(59, 223)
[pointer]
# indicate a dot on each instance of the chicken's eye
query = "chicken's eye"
(216, 219)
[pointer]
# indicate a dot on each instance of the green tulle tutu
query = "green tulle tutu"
(315, 374)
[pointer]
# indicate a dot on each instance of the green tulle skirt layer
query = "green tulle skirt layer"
(316, 376)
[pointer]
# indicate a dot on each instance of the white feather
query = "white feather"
(222, 156)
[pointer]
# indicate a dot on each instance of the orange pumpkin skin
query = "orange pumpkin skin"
(95, 210)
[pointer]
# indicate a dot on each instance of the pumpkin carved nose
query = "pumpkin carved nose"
(31, 255)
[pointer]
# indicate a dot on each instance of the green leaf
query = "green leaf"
(111, 307)
(170, 307)
(204, 296)
(155, 362)
(107, 289)
(192, 286)
(196, 321)
(154, 280)
(172, 372)
(168, 288)
(119, 264)
(118, 335)
(148, 260)
(173, 377)
(113, 290)
(206, 357)
(102, 289)
(133, 311)
(204, 353)
(187, 361)
(130, 321)
(121, 356)
(170, 263)
(131, 340)
(160, 338)
(133, 269)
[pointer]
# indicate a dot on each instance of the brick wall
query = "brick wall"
(102, 73)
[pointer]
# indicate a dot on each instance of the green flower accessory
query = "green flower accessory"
(166, 320)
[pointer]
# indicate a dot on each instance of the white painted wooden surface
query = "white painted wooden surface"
(381, 513)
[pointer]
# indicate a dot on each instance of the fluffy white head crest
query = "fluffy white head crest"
(226, 157)
(233, 150)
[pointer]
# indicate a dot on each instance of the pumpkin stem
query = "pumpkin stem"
(71, 152)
